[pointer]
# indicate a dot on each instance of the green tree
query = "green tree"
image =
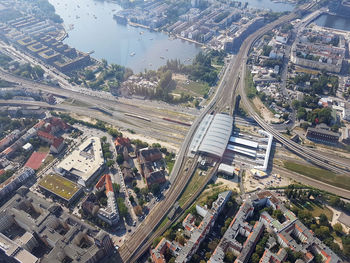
(229, 257)
(338, 228)
(255, 258)
(120, 159)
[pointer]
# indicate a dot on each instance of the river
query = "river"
(332, 21)
(91, 27)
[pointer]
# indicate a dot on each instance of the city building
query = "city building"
(212, 136)
(15, 181)
(152, 165)
(32, 229)
(60, 187)
(322, 134)
(317, 49)
(84, 163)
(109, 213)
(195, 233)
(285, 230)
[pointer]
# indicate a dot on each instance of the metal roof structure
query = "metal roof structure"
(244, 142)
(217, 136)
(242, 150)
(199, 135)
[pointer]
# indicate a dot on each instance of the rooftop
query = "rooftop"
(59, 186)
(217, 136)
(85, 160)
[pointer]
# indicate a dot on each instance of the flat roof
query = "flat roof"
(244, 142)
(241, 150)
(227, 169)
(85, 160)
(216, 139)
(59, 186)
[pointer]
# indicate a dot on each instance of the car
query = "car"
(134, 223)
(129, 230)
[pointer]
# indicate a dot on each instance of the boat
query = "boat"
(151, 39)
(141, 32)
(77, 17)
(162, 57)
(132, 54)
(166, 49)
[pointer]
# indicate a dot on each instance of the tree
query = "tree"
(123, 211)
(110, 163)
(104, 63)
(338, 228)
(155, 189)
(322, 232)
(196, 103)
(156, 241)
(120, 159)
(334, 201)
(259, 249)
(213, 244)
(323, 220)
(89, 75)
(255, 258)
(116, 188)
(138, 210)
(229, 257)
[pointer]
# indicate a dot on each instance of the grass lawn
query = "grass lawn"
(197, 89)
(196, 181)
(59, 186)
(170, 165)
(323, 175)
(44, 149)
(249, 86)
(316, 209)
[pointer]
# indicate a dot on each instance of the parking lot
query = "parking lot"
(251, 183)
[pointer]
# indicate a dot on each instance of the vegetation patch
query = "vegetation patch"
(323, 175)
(59, 185)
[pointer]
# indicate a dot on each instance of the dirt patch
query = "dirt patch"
(179, 77)
(150, 141)
(265, 112)
(83, 118)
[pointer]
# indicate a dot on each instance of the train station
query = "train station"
(217, 140)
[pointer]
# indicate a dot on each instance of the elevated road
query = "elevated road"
(223, 99)
(139, 242)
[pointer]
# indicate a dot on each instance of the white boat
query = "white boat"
(132, 54)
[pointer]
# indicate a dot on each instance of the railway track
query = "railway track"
(141, 240)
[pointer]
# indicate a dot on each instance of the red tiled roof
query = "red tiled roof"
(39, 124)
(2, 172)
(46, 135)
(8, 150)
(122, 141)
(57, 142)
(35, 160)
(109, 186)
